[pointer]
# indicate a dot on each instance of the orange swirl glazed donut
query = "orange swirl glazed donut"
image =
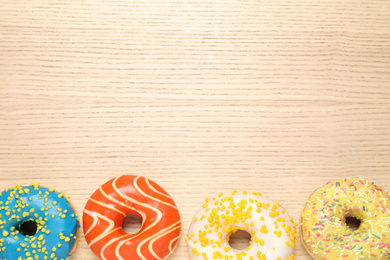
(131, 195)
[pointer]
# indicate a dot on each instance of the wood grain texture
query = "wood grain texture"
(202, 97)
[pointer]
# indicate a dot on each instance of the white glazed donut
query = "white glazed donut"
(273, 232)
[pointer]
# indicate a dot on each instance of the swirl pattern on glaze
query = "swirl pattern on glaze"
(131, 195)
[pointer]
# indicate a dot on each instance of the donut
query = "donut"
(325, 231)
(273, 232)
(36, 223)
(131, 195)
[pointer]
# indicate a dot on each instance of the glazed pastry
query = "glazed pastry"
(273, 232)
(36, 223)
(131, 195)
(325, 231)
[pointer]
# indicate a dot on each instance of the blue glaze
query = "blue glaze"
(56, 221)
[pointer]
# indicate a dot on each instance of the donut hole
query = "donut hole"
(132, 224)
(352, 222)
(28, 228)
(239, 239)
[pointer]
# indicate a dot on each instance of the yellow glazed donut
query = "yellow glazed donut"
(273, 232)
(324, 230)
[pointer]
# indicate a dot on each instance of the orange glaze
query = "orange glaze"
(131, 195)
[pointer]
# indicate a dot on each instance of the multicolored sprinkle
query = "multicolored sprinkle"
(325, 232)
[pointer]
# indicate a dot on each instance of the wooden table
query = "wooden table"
(202, 97)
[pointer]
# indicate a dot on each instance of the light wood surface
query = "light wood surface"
(201, 96)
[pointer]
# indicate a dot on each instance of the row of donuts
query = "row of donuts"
(40, 223)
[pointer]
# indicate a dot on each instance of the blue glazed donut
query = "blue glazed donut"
(36, 223)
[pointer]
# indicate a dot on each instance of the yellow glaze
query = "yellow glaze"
(325, 233)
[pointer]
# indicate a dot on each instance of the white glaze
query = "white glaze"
(263, 245)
